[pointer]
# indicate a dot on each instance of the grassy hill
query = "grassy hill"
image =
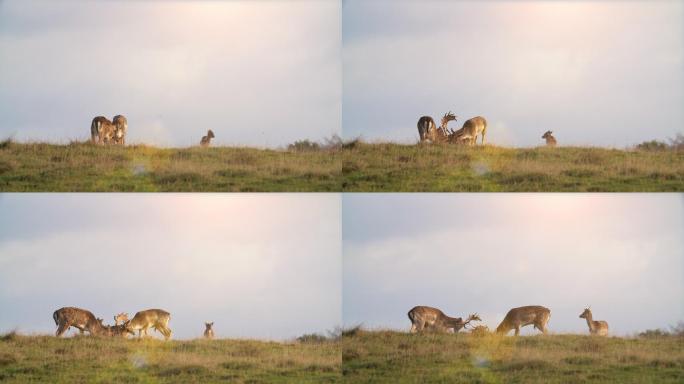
(419, 168)
(86, 167)
(394, 357)
(47, 359)
(350, 167)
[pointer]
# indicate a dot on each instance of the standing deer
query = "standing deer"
(428, 131)
(471, 128)
(206, 140)
(79, 318)
(155, 318)
(209, 331)
(102, 130)
(423, 317)
(522, 316)
(550, 140)
(598, 327)
(121, 124)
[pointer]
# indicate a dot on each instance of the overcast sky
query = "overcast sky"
(606, 73)
(622, 254)
(258, 73)
(259, 266)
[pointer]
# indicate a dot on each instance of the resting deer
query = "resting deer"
(209, 331)
(155, 318)
(470, 130)
(550, 140)
(423, 317)
(121, 124)
(81, 319)
(598, 327)
(206, 140)
(522, 316)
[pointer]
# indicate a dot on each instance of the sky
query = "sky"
(258, 266)
(621, 254)
(598, 73)
(262, 74)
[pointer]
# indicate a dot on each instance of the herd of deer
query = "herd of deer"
(472, 128)
(84, 320)
(103, 131)
(432, 319)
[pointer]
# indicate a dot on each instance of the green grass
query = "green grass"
(355, 167)
(86, 167)
(47, 359)
(420, 168)
(393, 357)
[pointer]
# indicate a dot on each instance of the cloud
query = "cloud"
(241, 261)
(175, 69)
(590, 254)
(573, 68)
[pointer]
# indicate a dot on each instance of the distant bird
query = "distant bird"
(550, 140)
(206, 140)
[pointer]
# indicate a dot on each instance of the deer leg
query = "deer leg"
(61, 329)
(517, 330)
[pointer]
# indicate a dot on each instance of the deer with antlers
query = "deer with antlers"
(596, 327)
(427, 130)
(81, 319)
(428, 318)
(150, 318)
(529, 315)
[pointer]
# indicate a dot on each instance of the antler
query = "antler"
(472, 317)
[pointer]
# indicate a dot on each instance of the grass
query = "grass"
(45, 359)
(441, 168)
(140, 168)
(350, 167)
(394, 357)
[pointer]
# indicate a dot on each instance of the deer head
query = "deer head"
(210, 133)
(121, 317)
(547, 134)
(587, 312)
(447, 118)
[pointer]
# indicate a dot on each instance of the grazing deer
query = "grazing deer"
(206, 140)
(550, 140)
(155, 318)
(423, 317)
(471, 128)
(121, 124)
(522, 316)
(79, 318)
(598, 327)
(428, 131)
(209, 331)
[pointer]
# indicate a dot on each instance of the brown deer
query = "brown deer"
(522, 316)
(155, 318)
(121, 318)
(468, 133)
(101, 130)
(598, 327)
(209, 331)
(121, 124)
(429, 318)
(550, 140)
(206, 140)
(429, 131)
(81, 319)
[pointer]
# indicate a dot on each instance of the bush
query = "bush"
(304, 146)
(312, 338)
(652, 145)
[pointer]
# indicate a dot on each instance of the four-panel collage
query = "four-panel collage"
(341, 191)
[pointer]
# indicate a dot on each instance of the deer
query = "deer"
(81, 319)
(206, 140)
(427, 130)
(121, 318)
(209, 331)
(155, 318)
(598, 327)
(471, 128)
(550, 140)
(522, 316)
(121, 124)
(423, 317)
